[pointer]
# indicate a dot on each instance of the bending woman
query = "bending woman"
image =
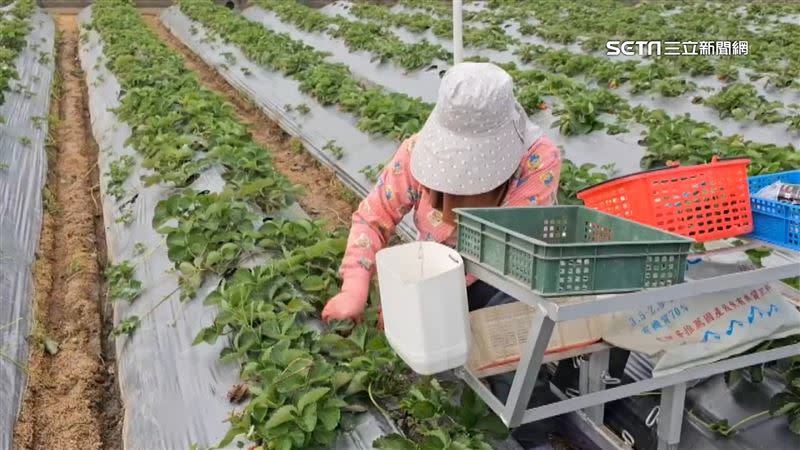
(477, 149)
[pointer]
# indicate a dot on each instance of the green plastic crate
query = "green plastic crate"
(571, 250)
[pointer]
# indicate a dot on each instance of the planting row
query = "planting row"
(302, 384)
(26, 72)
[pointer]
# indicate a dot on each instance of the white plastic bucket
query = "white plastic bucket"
(424, 301)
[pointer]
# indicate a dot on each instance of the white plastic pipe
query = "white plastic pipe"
(458, 44)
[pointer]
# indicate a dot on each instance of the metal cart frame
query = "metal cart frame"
(586, 409)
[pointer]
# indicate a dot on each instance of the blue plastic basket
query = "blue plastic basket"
(773, 221)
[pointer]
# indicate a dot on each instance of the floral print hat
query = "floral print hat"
(476, 134)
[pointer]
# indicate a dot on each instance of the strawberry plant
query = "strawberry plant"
(727, 72)
(13, 31)
(794, 123)
(432, 7)
(416, 22)
(784, 77)
(372, 172)
(335, 150)
(673, 87)
(305, 19)
(741, 101)
(765, 158)
(580, 112)
(680, 139)
(119, 171)
(301, 109)
(127, 326)
(557, 33)
(423, 406)
(212, 232)
(693, 65)
(394, 115)
(575, 178)
(787, 403)
(644, 76)
(385, 46)
(577, 116)
(122, 285)
(492, 37)
(530, 98)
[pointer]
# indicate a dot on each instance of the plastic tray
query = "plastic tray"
(773, 221)
(571, 250)
(704, 202)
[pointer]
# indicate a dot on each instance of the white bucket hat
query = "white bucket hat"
(476, 135)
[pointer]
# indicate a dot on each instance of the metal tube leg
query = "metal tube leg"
(528, 368)
(671, 416)
(591, 380)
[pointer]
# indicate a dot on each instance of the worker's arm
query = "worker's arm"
(374, 222)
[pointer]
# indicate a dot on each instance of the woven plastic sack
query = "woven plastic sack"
(678, 335)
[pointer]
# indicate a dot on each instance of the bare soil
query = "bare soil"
(72, 401)
(324, 196)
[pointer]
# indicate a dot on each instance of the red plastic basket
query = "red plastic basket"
(703, 202)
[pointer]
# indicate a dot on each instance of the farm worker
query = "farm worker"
(477, 149)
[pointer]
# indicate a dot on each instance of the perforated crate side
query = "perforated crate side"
(773, 221)
(469, 238)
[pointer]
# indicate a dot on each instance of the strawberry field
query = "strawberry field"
(212, 260)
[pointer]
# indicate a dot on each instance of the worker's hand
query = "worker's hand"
(343, 306)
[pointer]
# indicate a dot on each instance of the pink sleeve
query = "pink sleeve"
(374, 222)
(536, 181)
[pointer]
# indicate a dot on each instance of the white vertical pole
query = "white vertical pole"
(458, 44)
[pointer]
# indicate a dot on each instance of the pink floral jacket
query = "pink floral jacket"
(397, 192)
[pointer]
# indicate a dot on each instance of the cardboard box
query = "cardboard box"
(500, 332)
